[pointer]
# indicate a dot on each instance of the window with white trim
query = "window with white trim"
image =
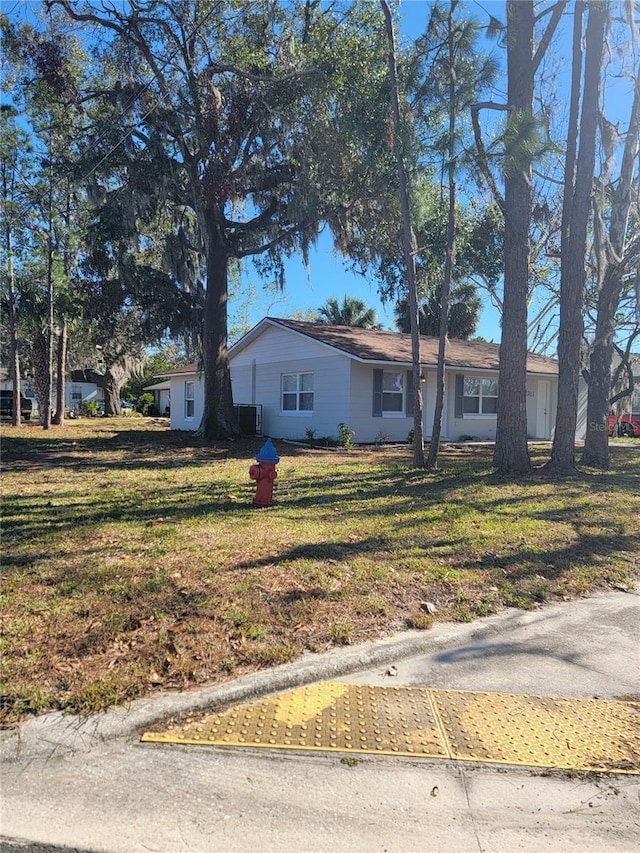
(297, 392)
(393, 392)
(189, 400)
(480, 396)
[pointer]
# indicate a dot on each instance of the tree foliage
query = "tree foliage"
(14, 146)
(43, 71)
(242, 123)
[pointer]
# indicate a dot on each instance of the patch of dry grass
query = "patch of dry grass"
(133, 560)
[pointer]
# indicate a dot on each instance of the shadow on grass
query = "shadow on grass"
(464, 486)
(588, 550)
(177, 449)
(314, 551)
(29, 516)
(26, 516)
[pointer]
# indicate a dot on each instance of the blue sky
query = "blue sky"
(329, 276)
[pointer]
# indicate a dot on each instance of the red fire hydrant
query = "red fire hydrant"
(264, 473)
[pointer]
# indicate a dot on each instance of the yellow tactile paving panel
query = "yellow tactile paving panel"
(584, 734)
(537, 731)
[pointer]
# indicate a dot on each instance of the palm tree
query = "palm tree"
(352, 312)
(464, 312)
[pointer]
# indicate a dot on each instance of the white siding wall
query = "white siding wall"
(532, 409)
(361, 419)
(330, 395)
(343, 392)
(78, 392)
(484, 428)
(429, 405)
(242, 383)
(178, 401)
(553, 396)
(277, 344)
(256, 377)
(581, 426)
(164, 400)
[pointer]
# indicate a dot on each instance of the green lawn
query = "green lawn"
(134, 561)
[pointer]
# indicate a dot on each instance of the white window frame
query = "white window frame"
(481, 396)
(189, 400)
(387, 393)
(297, 392)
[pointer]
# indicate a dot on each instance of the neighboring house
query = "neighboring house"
(310, 376)
(6, 384)
(161, 396)
(26, 390)
(186, 389)
(78, 390)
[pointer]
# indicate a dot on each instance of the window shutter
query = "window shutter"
(377, 393)
(459, 395)
(408, 399)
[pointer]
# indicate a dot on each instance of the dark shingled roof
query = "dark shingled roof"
(370, 345)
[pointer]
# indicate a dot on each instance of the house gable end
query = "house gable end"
(277, 343)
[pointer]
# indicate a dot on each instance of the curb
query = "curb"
(61, 734)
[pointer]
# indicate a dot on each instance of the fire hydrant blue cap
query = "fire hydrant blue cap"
(267, 453)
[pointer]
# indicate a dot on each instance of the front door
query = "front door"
(542, 413)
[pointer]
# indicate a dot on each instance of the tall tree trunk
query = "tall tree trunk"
(611, 256)
(434, 446)
(575, 218)
(511, 451)
(16, 414)
(112, 380)
(45, 416)
(596, 449)
(409, 245)
(218, 421)
(41, 374)
(61, 363)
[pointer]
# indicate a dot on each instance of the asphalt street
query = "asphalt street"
(91, 785)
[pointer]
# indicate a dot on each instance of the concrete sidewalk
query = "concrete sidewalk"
(91, 784)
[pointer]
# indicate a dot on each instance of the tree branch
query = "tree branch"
(265, 247)
(257, 222)
(556, 14)
(482, 154)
